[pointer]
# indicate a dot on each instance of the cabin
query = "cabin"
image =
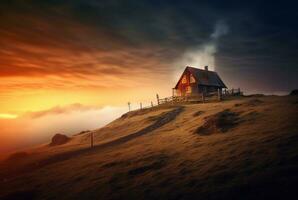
(194, 82)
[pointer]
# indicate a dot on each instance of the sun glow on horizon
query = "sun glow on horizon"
(7, 116)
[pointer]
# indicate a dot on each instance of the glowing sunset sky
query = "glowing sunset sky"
(105, 53)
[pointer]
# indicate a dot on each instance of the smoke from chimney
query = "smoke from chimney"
(204, 54)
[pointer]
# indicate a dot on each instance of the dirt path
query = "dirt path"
(160, 121)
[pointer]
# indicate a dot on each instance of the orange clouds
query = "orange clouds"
(49, 57)
(94, 74)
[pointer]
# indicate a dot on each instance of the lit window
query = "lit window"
(188, 89)
(192, 79)
(184, 80)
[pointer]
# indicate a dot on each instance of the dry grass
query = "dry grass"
(154, 154)
(198, 113)
(17, 156)
(251, 102)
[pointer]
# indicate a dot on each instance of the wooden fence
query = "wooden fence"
(232, 92)
(215, 96)
(200, 98)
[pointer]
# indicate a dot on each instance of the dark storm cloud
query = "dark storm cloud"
(46, 37)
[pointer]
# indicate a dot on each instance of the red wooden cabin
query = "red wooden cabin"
(196, 81)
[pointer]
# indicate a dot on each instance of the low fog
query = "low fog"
(34, 128)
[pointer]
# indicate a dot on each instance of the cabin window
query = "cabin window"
(184, 80)
(188, 89)
(192, 79)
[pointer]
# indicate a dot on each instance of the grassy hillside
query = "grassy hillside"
(244, 148)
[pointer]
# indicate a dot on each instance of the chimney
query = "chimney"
(206, 68)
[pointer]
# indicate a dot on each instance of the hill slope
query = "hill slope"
(246, 148)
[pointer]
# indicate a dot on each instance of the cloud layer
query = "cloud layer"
(38, 127)
(117, 40)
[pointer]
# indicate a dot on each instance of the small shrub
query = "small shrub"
(219, 122)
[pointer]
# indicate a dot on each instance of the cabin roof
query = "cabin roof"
(204, 77)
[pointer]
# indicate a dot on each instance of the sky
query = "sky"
(92, 57)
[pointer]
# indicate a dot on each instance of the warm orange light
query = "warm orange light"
(7, 116)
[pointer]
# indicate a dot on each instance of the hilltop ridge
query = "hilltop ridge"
(243, 148)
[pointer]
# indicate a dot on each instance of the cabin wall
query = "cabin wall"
(207, 89)
(186, 87)
(193, 89)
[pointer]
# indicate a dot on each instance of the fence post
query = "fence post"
(218, 94)
(91, 139)
(157, 97)
(151, 104)
(128, 106)
(141, 105)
